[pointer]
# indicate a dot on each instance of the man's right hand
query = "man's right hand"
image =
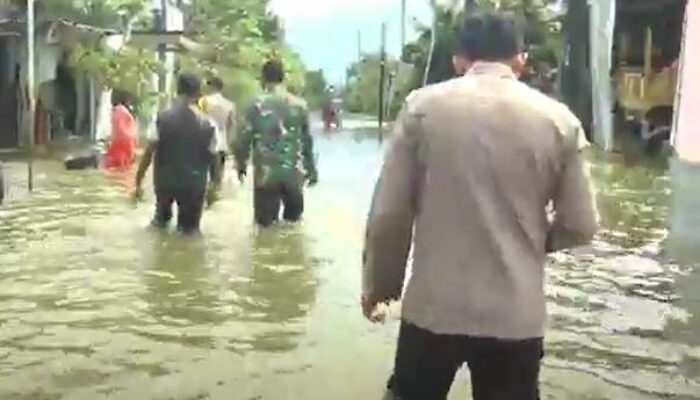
(137, 194)
(312, 180)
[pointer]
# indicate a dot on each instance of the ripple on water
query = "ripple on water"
(94, 307)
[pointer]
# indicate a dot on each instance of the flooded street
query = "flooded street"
(94, 306)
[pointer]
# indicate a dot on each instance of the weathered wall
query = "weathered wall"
(686, 132)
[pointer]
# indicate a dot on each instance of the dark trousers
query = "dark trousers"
(268, 200)
(189, 209)
(426, 365)
(222, 158)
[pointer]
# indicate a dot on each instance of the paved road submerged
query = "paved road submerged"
(94, 306)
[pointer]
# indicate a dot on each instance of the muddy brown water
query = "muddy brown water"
(94, 306)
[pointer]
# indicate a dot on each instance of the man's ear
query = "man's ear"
(460, 64)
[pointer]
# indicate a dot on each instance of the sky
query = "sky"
(324, 32)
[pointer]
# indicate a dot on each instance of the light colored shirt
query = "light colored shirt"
(223, 113)
(466, 182)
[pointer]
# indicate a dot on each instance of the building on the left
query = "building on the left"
(66, 100)
(69, 101)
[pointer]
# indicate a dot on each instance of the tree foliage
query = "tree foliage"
(244, 35)
(315, 88)
(362, 90)
(541, 36)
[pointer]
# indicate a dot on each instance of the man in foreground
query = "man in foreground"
(474, 164)
(276, 128)
(182, 151)
(223, 112)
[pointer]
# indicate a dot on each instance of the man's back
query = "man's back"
(223, 112)
(184, 148)
(277, 128)
(485, 155)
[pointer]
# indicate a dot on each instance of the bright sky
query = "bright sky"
(324, 32)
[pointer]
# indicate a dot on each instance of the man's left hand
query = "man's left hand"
(212, 194)
(137, 194)
(312, 180)
(372, 311)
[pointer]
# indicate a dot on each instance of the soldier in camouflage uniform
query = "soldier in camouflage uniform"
(276, 128)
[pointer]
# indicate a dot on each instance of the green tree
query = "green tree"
(315, 88)
(541, 36)
(243, 35)
(362, 90)
(240, 35)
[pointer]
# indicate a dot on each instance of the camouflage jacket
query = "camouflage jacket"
(276, 128)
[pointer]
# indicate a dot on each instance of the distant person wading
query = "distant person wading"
(223, 113)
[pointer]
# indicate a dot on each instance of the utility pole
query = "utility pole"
(31, 95)
(382, 78)
(359, 46)
(433, 41)
(403, 24)
(162, 28)
(158, 7)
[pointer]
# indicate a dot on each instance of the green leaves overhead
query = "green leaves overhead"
(243, 34)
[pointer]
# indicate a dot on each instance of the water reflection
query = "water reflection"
(684, 248)
(282, 287)
(180, 290)
(192, 302)
(633, 201)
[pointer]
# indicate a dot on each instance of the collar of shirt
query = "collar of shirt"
(276, 89)
(215, 96)
(491, 68)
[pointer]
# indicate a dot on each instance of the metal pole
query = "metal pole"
(382, 77)
(433, 40)
(403, 24)
(162, 78)
(30, 87)
(359, 46)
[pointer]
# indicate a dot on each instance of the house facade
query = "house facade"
(66, 101)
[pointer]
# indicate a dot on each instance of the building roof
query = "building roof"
(54, 28)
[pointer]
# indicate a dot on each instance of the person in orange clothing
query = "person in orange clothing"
(123, 140)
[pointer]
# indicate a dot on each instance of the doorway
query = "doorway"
(9, 94)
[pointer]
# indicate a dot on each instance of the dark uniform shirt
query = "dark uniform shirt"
(185, 145)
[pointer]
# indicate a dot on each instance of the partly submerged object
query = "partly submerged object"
(2, 183)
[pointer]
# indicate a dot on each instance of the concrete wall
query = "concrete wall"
(686, 131)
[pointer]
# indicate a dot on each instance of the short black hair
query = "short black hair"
(189, 84)
(120, 97)
(491, 37)
(273, 72)
(216, 83)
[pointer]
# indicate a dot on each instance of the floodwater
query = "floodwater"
(94, 306)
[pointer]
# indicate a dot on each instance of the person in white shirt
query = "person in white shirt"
(222, 113)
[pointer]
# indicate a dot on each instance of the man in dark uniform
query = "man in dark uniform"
(182, 151)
